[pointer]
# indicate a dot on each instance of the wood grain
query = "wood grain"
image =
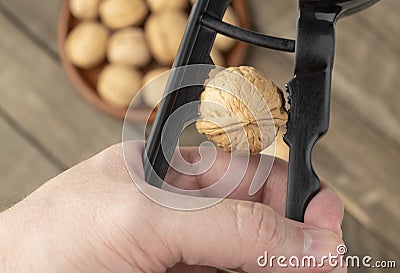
(354, 158)
(22, 167)
(36, 93)
(367, 54)
(362, 242)
(360, 155)
(37, 21)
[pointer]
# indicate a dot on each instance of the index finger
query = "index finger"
(325, 210)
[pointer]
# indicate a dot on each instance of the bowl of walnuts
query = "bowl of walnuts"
(110, 49)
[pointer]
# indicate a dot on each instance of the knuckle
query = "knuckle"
(258, 223)
(109, 161)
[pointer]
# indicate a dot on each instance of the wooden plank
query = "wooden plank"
(277, 18)
(383, 20)
(374, 30)
(36, 93)
(16, 184)
(361, 242)
(22, 167)
(379, 215)
(38, 20)
(366, 65)
(357, 160)
(359, 155)
(366, 71)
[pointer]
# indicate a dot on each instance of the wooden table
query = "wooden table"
(46, 127)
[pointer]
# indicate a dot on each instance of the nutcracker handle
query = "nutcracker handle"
(205, 21)
(309, 99)
(309, 94)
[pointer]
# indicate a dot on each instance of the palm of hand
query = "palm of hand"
(92, 218)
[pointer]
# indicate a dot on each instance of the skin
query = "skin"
(92, 218)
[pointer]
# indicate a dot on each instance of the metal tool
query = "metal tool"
(309, 90)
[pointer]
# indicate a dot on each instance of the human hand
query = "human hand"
(92, 218)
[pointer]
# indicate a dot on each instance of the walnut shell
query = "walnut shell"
(222, 42)
(153, 92)
(156, 5)
(128, 47)
(244, 115)
(118, 84)
(84, 9)
(164, 31)
(122, 13)
(85, 46)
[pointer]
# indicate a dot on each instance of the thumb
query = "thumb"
(242, 234)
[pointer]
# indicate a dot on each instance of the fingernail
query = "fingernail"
(319, 242)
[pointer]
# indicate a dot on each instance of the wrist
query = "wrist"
(18, 253)
(5, 246)
(10, 239)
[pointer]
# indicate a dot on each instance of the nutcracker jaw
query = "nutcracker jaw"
(309, 89)
(309, 94)
(205, 21)
(349, 7)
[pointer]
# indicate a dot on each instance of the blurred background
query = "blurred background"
(47, 127)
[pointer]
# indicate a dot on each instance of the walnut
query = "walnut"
(118, 84)
(156, 5)
(222, 42)
(164, 31)
(152, 92)
(122, 13)
(85, 46)
(244, 113)
(84, 9)
(128, 47)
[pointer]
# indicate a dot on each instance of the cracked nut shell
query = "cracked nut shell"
(245, 118)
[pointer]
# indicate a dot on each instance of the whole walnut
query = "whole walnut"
(164, 31)
(222, 42)
(128, 47)
(84, 9)
(118, 84)
(245, 118)
(85, 46)
(122, 13)
(154, 86)
(156, 5)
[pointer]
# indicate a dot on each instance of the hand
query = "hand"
(92, 218)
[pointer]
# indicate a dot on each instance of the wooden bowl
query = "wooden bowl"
(84, 80)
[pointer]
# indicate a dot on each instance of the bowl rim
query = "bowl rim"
(234, 57)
